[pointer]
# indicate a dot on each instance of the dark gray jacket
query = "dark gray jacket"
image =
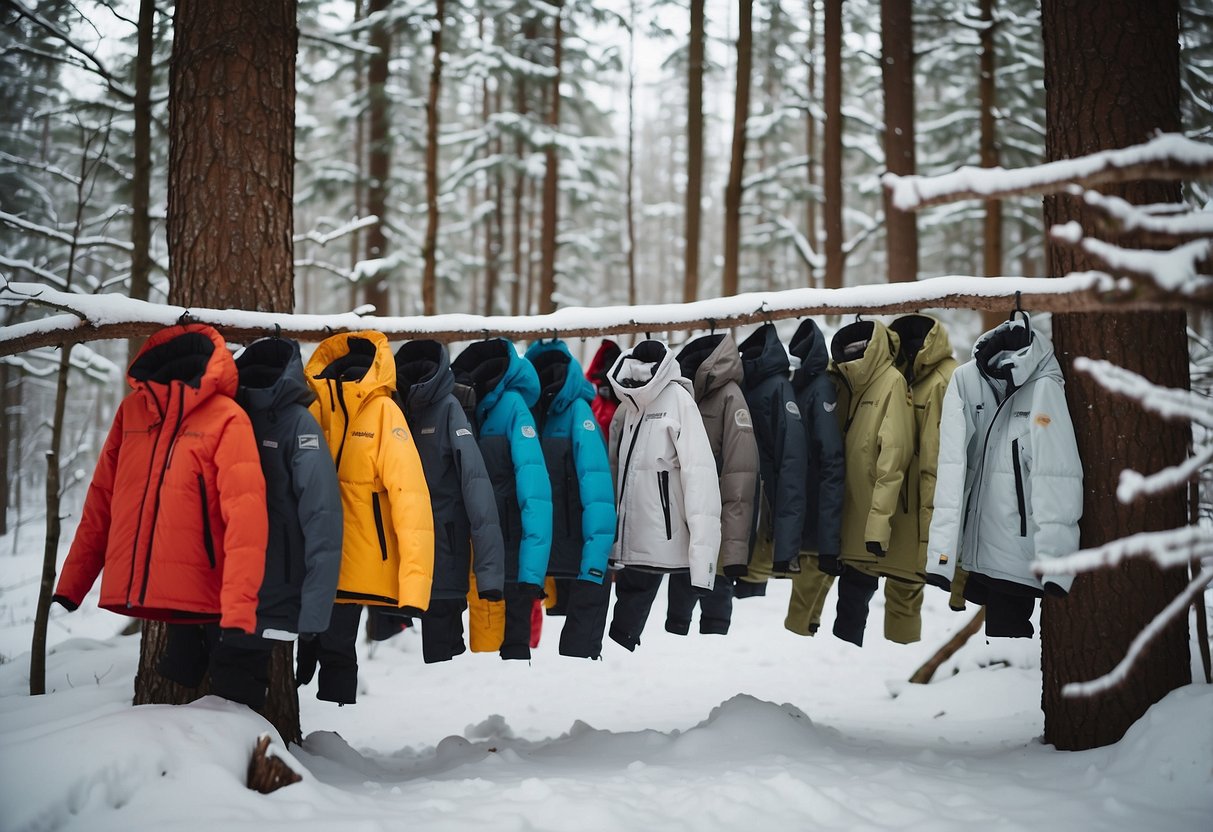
(817, 399)
(461, 494)
(303, 500)
(782, 451)
(714, 368)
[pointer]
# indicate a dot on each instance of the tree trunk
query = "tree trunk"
(429, 254)
(242, 97)
(810, 204)
(359, 163)
(694, 191)
(5, 441)
(490, 255)
(520, 106)
(498, 201)
(897, 74)
(141, 173)
(832, 145)
(732, 192)
(1111, 80)
(992, 237)
(379, 156)
(551, 180)
(631, 172)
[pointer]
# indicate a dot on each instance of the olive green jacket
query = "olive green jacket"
(877, 418)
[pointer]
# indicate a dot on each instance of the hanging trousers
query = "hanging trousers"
(238, 663)
(635, 590)
(1009, 605)
(335, 653)
(903, 610)
(855, 591)
(585, 614)
(442, 630)
(715, 609)
(810, 587)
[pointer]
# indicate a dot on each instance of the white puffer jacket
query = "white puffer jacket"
(1010, 479)
(666, 487)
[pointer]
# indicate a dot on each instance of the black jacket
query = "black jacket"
(782, 451)
(461, 495)
(303, 499)
(817, 399)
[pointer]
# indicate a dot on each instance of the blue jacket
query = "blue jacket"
(505, 387)
(583, 495)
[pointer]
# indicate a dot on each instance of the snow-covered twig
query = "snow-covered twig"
(1177, 270)
(1167, 402)
(115, 316)
(1169, 156)
(61, 236)
(1169, 548)
(337, 233)
(1117, 675)
(1179, 225)
(1134, 484)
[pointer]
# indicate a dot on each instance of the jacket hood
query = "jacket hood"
(271, 376)
(762, 355)
(809, 345)
(361, 360)
(490, 368)
(924, 344)
(194, 354)
(560, 380)
(861, 350)
(605, 358)
(641, 373)
(1012, 353)
(710, 362)
(423, 374)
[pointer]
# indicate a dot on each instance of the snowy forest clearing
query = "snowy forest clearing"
(760, 728)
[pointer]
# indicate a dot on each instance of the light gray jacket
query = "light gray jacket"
(666, 491)
(1009, 486)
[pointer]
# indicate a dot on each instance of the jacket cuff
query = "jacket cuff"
(67, 603)
(736, 570)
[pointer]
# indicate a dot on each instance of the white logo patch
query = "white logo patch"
(269, 443)
(588, 424)
(463, 432)
(791, 407)
(528, 431)
(309, 442)
(829, 406)
(742, 418)
(428, 431)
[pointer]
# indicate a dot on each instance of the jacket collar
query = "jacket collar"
(358, 362)
(271, 376)
(861, 351)
(643, 372)
(710, 362)
(194, 356)
(763, 356)
(924, 344)
(1011, 354)
(809, 345)
(491, 368)
(423, 374)
(560, 380)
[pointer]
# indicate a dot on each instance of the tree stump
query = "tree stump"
(267, 774)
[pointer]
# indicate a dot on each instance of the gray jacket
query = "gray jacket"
(713, 365)
(666, 489)
(1009, 486)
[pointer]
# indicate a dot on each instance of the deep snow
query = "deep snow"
(761, 729)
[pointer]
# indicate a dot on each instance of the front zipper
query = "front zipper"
(379, 524)
(663, 488)
(623, 478)
(1019, 497)
(151, 537)
(151, 463)
(207, 539)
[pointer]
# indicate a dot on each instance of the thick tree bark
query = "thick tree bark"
(377, 290)
(5, 441)
(991, 260)
(232, 80)
(897, 74)
(359, 195)
(832, 145)
(551, 179)
(1112, 79)
(429, 253)
(741, 112)
(694, 192)
(141, 172)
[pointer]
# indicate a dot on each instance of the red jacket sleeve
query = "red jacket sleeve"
(241, 487)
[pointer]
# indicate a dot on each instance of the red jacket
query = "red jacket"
(176, 510)
(604, 403)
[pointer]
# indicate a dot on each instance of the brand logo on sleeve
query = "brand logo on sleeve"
(742, 417)
(528, 431)
(1043, 419)
(588, 424)
(400, 434)
(269, 443)
(308, 442)
(828, 407)
(427, 431)
(791, 407)
(463, 432)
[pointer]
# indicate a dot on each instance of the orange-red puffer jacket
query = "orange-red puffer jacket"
(176, 510)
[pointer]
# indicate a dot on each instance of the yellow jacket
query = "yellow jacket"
(387, 556)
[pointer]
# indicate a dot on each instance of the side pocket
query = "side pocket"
(208, 539)
(379, 524)
(1019, 497)
(450, 538)
(663, 486)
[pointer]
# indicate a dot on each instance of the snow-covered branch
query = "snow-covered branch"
(1162, 226)
(114, 316)
(1117, 675)
(1178, 270)
(337, 233)
(61, 236)
(1134, 484)
(1167, 402)
(1173, 547)
(1170, 156)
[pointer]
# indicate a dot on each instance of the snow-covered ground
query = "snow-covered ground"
(760, 730)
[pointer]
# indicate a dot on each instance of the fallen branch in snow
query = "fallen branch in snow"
(269, 772)
(923, 674)
(95, 317)
(1167, 157)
